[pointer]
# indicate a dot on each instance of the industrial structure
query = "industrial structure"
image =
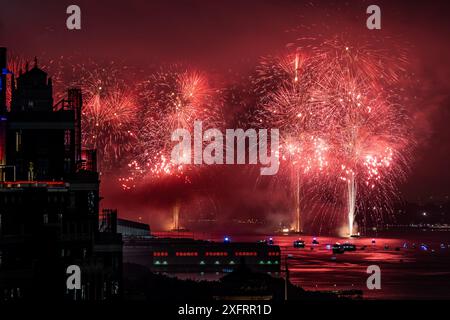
(133, 229)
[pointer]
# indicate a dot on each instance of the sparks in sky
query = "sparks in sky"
(340, 120)
(170, 99)
(109, 114)
(344, 130)
(368, 128)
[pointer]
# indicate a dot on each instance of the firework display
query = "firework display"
(344, 130)
(169, 99)
(286, 86)
(370, 138)
(339, 120)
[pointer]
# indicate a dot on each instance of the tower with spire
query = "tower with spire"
(32, 91)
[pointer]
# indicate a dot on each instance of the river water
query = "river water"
(408, 269)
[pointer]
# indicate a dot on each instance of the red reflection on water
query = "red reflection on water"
(407, 272)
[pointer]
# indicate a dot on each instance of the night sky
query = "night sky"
(224, 35)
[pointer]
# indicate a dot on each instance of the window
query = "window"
(45, 218)
(67, 137)
(67, 165)
(18, 140)
(67, 140)
(91, 202)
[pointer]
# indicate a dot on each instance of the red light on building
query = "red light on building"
(26, 183)
(160, 254)
(245, 254)
(216, 254)
(186, 254)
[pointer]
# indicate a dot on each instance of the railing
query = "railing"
(62, 104)
(26, 183)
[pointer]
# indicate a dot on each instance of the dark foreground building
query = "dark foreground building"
(49, 197)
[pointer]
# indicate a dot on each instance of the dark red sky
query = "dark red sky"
(222, 34)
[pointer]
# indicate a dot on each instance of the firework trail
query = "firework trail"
(370, 140)
(369, 134)
(339, 120)
(285, 86)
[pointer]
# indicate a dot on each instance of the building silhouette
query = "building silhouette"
(49, 197)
